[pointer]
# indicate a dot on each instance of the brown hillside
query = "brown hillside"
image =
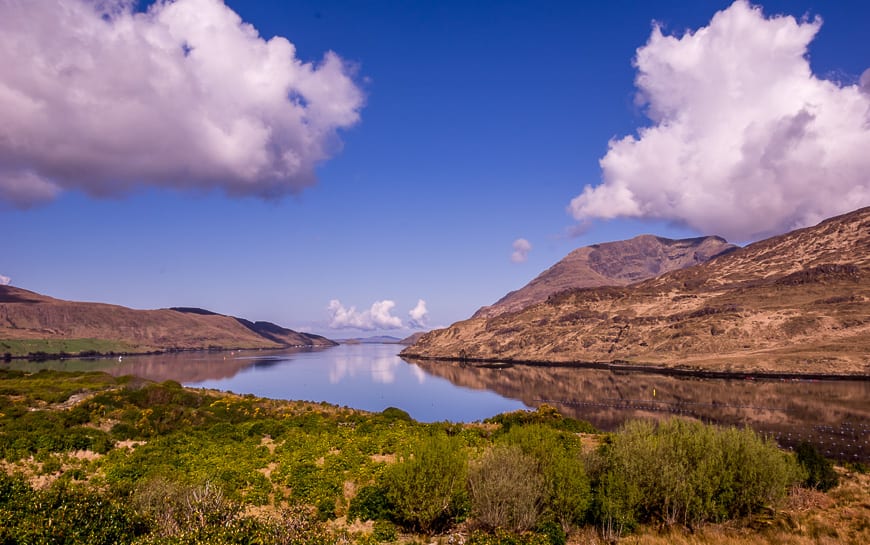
(610, 264)
(797, 303)
(25, 315)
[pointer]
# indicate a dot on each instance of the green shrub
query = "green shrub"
(325, 509)
(557, 456)
(687, 473)
(553, 531)
(63, 514)
(545, 415)
(384, 531)
(426, 487)
(820, 470)
(370, 503)
(502, 537)
(393, 413)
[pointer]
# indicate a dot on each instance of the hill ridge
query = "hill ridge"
(29, 319)
(798, 302)
(615, 263)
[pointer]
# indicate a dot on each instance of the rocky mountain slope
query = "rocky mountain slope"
(611, 264)
(796, 303)
(29, 316)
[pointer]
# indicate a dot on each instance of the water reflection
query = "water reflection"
(184, 367)
(834, 415)
(381, 366)
(368, 377)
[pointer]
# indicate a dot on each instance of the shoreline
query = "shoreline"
(624, 367)
(96, 355)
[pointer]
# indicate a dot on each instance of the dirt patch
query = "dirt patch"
(386, 458)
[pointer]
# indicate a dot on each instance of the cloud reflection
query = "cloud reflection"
(381, 368)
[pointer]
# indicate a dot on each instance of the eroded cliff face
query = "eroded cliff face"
(797, 303)
(610, 264)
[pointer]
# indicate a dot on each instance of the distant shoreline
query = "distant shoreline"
(96, 355)
(626, 367)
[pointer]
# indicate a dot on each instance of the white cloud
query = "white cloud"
(5, 280)
(97, 97)
(521, 247)
(377, 317)
(746, 141)
(419, 315)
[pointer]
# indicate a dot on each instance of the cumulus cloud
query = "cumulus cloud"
(377, 317)
(97, 97)
(522, 247)
(5, 280)
(419, 315)
(746, 141)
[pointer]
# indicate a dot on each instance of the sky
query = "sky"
(359, 168)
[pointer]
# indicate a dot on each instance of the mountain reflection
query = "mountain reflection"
(834, 415)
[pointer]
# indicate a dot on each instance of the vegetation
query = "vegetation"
(35, 348)
(89, 458)
(820, 470)
(682, 472)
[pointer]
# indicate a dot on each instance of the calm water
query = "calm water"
(364, 376)
(834, 415)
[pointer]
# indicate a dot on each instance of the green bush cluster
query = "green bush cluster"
(820, 470)
(425, 488)
(63, 514)
(204, 458)
(686, 472)
(545, 415)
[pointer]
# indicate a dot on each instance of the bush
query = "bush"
(393, 413)
(501, 537)
(63, 514)
(173, 508)
(820, 470)
(370, 503)
(384, 530)
(686, 472)
(567, 494)
(426, 487)
(545, 415)
(554, 532)
(506, 489)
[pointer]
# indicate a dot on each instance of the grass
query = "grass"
(132, 440)
(31, 347)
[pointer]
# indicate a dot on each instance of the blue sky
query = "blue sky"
(480, 122)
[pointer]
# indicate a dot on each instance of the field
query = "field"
(90, 458)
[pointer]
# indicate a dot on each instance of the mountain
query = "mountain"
(611, 264)
(30, 322)
(378, 339)
(412, 338)
(796, 303)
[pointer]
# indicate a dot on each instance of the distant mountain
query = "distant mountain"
(412, 338)
(30, 322)
(378, 339)
(796, 303)
(611, 264)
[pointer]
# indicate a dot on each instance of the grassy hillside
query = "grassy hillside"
(23, 347)
(34, 324)
(89, 458)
